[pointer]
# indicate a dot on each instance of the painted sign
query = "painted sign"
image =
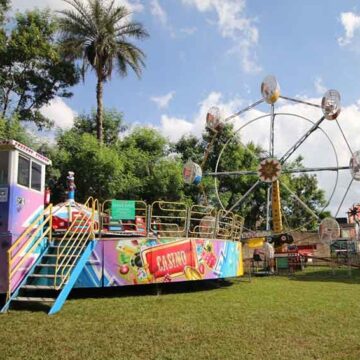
(169, 259)
(152, 260)
(123, 210)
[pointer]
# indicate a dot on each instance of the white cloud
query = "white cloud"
(319, 86)
(173, 128)
(351, 23)
(21, 5)
(316, 150)
(233, 24)
(189, 30)
(59, 112)
(158, 12)
(163, 101)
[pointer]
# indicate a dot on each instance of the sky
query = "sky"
(204, 53)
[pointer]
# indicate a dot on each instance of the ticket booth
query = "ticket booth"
(22, 190)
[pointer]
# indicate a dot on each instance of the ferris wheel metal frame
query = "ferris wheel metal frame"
(271, 168)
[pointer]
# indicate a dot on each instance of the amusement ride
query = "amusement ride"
(47, 250)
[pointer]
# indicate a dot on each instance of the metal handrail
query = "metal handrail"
(73, 242)
(225, 224)
(238, 226)
(140, 212)
(22, 242)
(200, 219)
(180, 212)
(177, 219)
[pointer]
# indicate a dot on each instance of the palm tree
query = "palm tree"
(98, 33)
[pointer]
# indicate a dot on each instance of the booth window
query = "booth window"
(35, 176)
(4, 166)
(23, 171)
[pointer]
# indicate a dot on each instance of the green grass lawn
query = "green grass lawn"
(313, 315)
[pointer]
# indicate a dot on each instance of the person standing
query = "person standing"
(269, 252)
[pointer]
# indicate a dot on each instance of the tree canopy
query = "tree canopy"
(32, 69)
(99, 33)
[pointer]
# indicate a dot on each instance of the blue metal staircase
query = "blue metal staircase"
(53, 275)
(42, 284)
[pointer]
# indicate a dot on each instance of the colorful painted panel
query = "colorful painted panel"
(23, 207)
(144, 261)
(92, 274)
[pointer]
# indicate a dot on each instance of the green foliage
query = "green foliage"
(150, 173)
(98, 169)
(137, 167)
(11, 129)
(99, 33)
(4, 7)
(32, 70)
(113, 125)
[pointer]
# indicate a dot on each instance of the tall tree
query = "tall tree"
(32, 70)
(113, 125)
(98, 32)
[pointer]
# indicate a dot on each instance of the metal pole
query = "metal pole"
(343, 199)
(301, 140)
(300, 201)
(347, 143)
(244, 110)
(299, 101)
(272, 120)
(268, 208)
(243, 197)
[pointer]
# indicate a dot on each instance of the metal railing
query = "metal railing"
(74, 241)
(202, 221)
(176, 219)
(141, 218)
(168, 218)
(39, 230)
(173, 219)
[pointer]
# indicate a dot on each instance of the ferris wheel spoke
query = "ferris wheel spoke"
(310, 211)
(256, 103)
(301, 140)
(243, 198)
(344, 137)
(343, 199)
(299, 101)
(314, 169)
(246, 148)
(272, 121)
(229, 173)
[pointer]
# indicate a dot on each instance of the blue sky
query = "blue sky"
(192, 52)
(216, 52)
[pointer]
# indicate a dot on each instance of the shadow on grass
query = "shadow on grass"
(150, 289)
(125, 291)
(328, 274)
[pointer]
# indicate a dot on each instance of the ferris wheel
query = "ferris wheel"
(272, 168)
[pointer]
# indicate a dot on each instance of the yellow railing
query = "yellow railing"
(141, 212)
(70, 247)
(202, 221)
(168, 218)
(176, 219)
(38, 230)
(238, 227)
